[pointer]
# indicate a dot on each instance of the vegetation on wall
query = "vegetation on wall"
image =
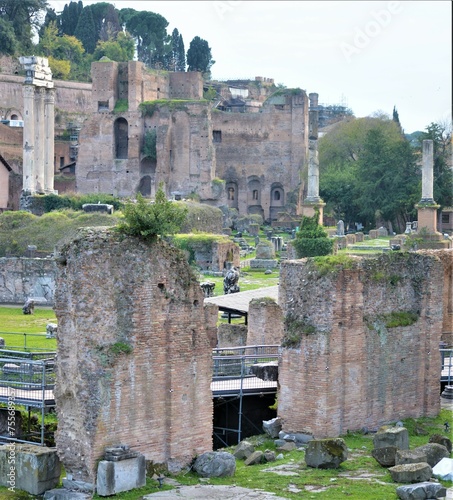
(295, 329)
(149, 144)
(312, 239)
(20, 229)
(147, 220)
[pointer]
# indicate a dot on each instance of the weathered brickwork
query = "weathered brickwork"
(22, 278)
(119, 295)
(349, 370)
(265, 322)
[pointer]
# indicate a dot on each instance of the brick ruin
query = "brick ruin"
(258, 153)
(134, 355)
(343, 367)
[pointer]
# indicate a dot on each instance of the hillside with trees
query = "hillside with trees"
(79, 35)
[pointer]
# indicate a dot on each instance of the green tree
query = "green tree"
(311, 239)
(8, 40)
(177, 56)
(387, 180)
(120, 49)
(69, 18)
(441, 135)
(349, 168)
(150, 33)
(199, 56)
(24, 18)
(149, 220)
(106, 21)
(86, 30)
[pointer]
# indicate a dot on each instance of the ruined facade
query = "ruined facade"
(190, 145)
(134, 355)
(348, 363)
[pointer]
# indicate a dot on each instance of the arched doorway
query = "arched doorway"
(147, 185)
(121, 139)
(277, 200)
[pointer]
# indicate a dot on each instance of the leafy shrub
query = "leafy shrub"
(149, 220)
(311, 239)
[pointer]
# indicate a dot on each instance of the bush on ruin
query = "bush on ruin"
(311, 239)
(148, 220)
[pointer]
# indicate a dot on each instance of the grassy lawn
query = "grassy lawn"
(26, 330)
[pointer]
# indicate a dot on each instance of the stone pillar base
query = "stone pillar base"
(309, 209)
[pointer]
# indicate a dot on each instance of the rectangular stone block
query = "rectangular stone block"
(34, 469)
(115, 477)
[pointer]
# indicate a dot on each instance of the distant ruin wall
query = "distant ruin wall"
(23, 278)
(343, 367)
(265, 322)
(134, 363)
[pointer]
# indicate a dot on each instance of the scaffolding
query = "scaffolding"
(27, 379)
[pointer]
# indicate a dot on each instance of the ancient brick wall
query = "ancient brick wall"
(267, 149)
(343, 367)
(134, 363)
(22, 278)
(186, 85)
(265, 322)
(70, 97)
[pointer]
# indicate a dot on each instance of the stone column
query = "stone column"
(313, 202)
(49, 141)
(427, 172)
(39, 140)
(28, 137)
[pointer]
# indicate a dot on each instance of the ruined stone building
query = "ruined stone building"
(246, 148)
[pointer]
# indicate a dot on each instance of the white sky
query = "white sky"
(367, 55)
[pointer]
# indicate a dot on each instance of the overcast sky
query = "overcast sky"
(367, 55)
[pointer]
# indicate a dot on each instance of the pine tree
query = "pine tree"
(199, 55)
(86, 30)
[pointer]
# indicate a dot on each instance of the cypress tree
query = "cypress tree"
(86, 30)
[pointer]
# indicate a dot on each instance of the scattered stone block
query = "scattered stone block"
(288, 446)
(443, 440)
(215, 464)
(257, 457)
(326, 453)
(243, 450)
(389, 435)
(269, 456)
(444, 469)
(409, 457)
(64, 494)
(37, 468)
(411, 473)
(124, 475)
(98, 207)
(434, 452)
(267, 372)
(299, 438)
(272, 427)
(385, 456)
(421, 491)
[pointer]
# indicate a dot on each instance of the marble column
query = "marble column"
(427, 172)
(28, 92)
(49, 142)
(39, 140)
(313, 162)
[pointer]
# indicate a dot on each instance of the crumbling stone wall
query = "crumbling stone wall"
(343, 367)
(22, 278)
(265, 322)
(134, 363)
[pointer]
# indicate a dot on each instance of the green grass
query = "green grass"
(14, 324)
(359, 478)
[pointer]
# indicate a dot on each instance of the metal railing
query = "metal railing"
(26, 380)
(447, 366)
(26, 341)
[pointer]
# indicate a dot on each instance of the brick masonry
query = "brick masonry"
(265, 322)
(353, 372)
(117, 294)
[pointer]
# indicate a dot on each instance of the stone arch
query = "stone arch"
(232, 194)
(121, 138)
(147, 185)
(277, 200)
(253, 191)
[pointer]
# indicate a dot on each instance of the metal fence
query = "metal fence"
(27, 380)
(447, 366)
(26, 341)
